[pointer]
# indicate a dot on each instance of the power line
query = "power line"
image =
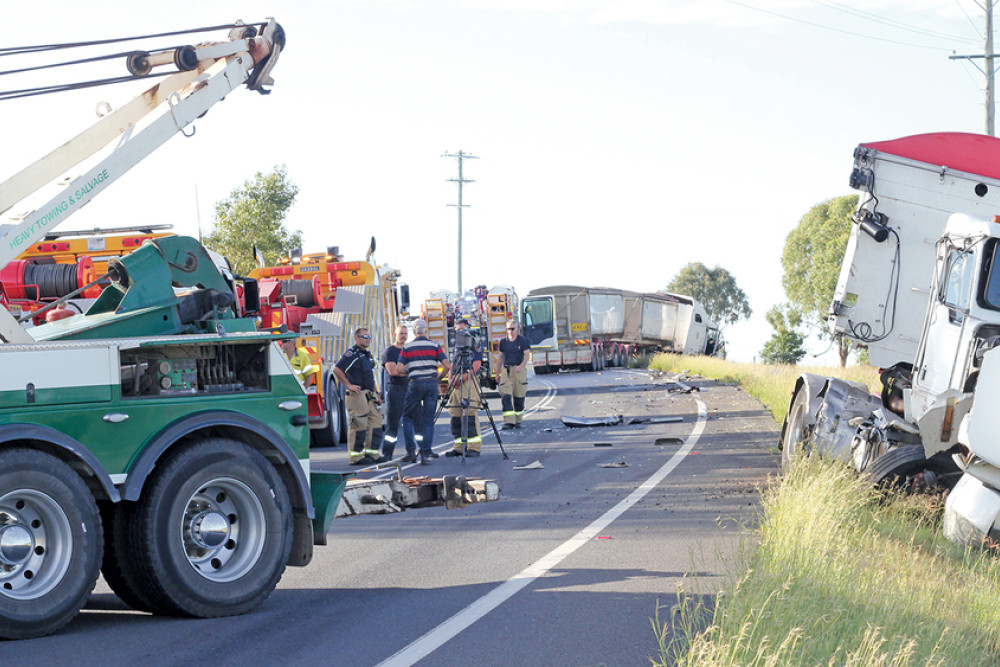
(868, 16)
(832, 29)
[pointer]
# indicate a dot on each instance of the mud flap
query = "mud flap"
(327, 488)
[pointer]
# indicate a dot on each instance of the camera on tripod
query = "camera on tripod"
(465, 350)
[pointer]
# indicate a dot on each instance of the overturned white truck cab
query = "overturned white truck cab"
(918, 287)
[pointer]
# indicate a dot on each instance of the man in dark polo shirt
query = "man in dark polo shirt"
(515, 353)
(356, 371)
(395, 394)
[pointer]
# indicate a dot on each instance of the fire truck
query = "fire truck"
(324, 299)
(160, 438)
(486, 310)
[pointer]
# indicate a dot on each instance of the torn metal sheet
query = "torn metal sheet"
(652, 420)
(535, 465)
(580, 422)
(681, 388)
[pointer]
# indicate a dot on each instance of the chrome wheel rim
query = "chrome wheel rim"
(36, 544)
(223, 529)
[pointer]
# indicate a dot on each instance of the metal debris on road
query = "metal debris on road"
(535, 465)
(652, 420)
(659, 442)
(580, 422)
(614, 464)
(681, 388)
(602, 444)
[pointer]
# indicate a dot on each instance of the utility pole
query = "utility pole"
(987, 67)
(461, 180)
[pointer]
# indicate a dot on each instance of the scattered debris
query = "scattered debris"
(535, 465)
(615, 420)
(603, 537)
(602, 444)
(660, 442)
(681, 388)
(614, 464)
(580, 422)
(652, 420)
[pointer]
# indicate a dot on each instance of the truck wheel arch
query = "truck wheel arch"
(60, 445)
(229, 424)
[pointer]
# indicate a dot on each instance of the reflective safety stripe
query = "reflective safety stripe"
(508, 413)
(370, 452)
(390, 438)
(518, 413)
(418, 437)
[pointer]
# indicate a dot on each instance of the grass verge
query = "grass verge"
(836, 572)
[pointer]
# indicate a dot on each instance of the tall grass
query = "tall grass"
(842, 575)
(836, 572)
(771, 385)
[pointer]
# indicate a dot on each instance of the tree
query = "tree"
(716, 289)
(254, 216)
(785, 346)
(811, 259)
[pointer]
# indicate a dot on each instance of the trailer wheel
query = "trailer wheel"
(616, 358)
(50, 543)
(329, 435)
(214, 530)
(541, 370)
(796, 432)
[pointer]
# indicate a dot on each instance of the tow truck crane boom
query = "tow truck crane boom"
(207, 73)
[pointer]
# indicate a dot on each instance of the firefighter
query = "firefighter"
(299, 358)
(356, 371)
(465, 397)
(515, 354)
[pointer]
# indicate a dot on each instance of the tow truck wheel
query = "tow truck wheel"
(215, 529)
(796, 431)
(329, 435)
(50, 543)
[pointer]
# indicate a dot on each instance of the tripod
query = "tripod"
(460, 365)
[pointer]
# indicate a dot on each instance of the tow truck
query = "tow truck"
(160, 438)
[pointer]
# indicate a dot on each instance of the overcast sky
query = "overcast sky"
(617, 141)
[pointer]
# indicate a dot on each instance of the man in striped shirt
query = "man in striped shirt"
(420, 357)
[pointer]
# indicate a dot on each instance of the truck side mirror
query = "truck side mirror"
(404, 297)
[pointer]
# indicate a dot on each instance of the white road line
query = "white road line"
(424, 646)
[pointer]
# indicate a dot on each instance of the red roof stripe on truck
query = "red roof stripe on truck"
(961, 151)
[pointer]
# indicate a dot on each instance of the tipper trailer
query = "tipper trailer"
(590, 328)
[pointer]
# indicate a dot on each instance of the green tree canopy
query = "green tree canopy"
(811, 260)
(254, 216)
(716, 289)
(785, 345)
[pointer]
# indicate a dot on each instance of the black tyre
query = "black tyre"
(329, 435)
(897, 465)
(213, 530)
(541, 370)
(120, 566)
(50, 543)
(616, 358)
(796, 431)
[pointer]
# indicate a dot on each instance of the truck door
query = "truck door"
(538, 321)
(944, 351)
